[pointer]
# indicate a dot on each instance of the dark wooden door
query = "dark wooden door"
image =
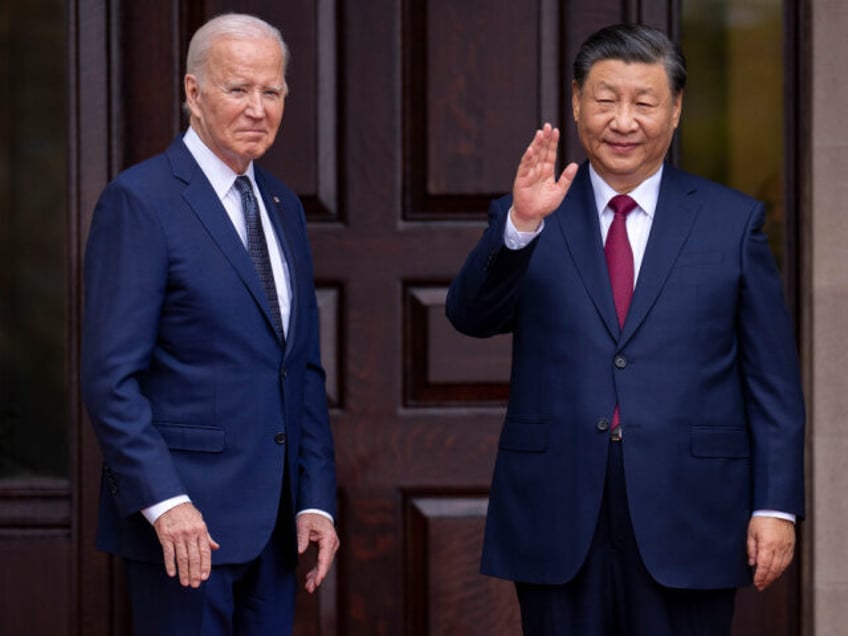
(405, 117)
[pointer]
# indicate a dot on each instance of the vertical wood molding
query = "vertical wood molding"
(90, 168)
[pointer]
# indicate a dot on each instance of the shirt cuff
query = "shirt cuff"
(775, 513)
(157, 510)
(317, 512)
(516, 240)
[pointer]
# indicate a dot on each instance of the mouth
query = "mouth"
(621, 146)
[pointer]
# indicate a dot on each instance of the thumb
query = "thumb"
(302, 538)
(752, 549)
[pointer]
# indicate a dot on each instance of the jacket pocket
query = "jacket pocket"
(524, 434)
(204, 439)
(715, 441)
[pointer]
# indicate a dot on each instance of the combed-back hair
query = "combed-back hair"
(237, 26)
(632, 43)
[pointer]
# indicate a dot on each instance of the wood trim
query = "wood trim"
(91, 163)
(34, 505)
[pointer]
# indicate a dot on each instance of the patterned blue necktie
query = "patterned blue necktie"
(258, 250)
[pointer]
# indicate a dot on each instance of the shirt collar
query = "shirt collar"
(645, 194)
(219, 174)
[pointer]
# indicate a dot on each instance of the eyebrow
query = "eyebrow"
(605, 85)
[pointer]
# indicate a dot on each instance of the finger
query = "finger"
(567, 177)
(168, 554)
(323, 562)
(182, 562)
(205, 553)
(194, 562)
(525, 166)
(551, 148)
(303, 532)
(752, 549)
(311, 585)
(763, 574)
(782, 561)
(768, 577)
(537, 150)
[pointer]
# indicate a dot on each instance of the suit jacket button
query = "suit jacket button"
(283, 373)
(620, 361)
(603, 424)
(280, 438)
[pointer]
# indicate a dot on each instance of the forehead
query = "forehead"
(628, 76)
(259, 58)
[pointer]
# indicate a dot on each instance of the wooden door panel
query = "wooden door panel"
(35, 590)
(445, 594)
(475, 86)
(442, 367)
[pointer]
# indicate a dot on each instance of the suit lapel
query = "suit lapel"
(200, 196)
(578, 222)
(673, 220)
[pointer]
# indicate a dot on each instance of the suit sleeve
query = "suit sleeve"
(771, 378)
(125, 271)
(482, 299)
(316, 464)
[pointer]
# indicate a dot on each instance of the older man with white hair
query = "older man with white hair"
(201, 367)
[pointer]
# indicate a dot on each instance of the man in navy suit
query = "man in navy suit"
(651, 460)
(201, 367)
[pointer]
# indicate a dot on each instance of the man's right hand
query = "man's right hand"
(536, 191)
(186, 544)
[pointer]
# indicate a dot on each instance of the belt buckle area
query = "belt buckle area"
(615, 434)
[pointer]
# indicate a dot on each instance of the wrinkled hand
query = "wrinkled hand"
(771, 546)
(318, 529)
(536, 192)
(186, 544)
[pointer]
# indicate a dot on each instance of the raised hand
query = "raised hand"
(536, 192)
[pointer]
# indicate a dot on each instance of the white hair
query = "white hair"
(237, 26)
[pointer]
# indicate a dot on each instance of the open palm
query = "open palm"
(536, 192)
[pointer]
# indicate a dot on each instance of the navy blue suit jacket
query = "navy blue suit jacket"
(704, 370)
(187, 385)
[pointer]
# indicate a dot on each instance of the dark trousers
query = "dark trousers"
(613, 594)
(247, 599)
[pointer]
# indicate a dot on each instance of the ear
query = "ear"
(575, 100)
(678, 108)
(192, 93)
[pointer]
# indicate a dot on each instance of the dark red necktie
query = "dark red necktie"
(620, 264)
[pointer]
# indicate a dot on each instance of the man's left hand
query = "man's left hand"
(318, 529)
(771, 546)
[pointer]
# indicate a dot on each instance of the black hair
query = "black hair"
(632, 43)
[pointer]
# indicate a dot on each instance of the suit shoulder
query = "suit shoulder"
(140, 177)
(706, 188)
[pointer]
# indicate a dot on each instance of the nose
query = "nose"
(624, 119)
(255, 105)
